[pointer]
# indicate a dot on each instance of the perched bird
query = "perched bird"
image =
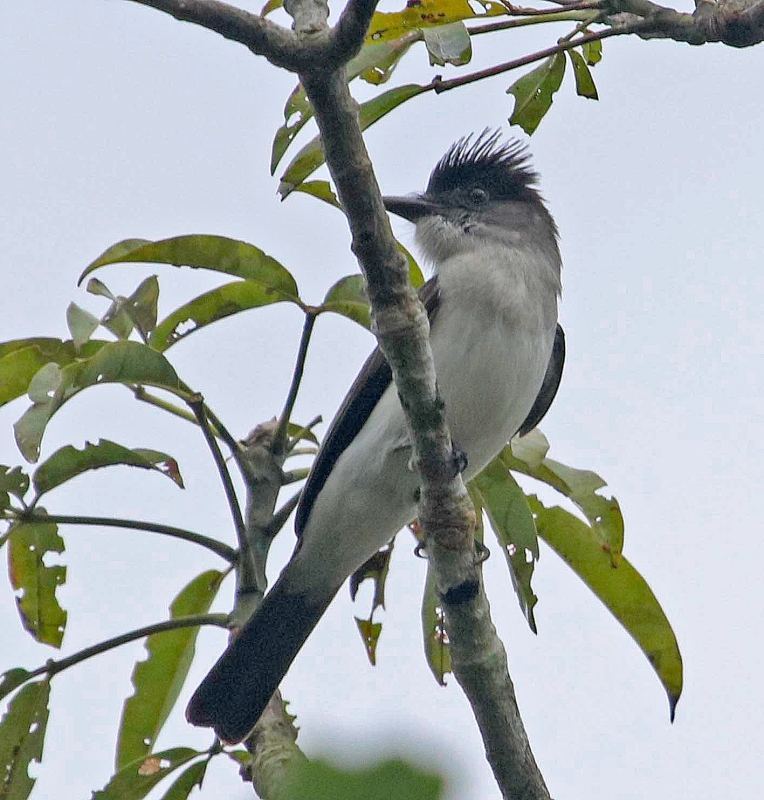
(498, 352)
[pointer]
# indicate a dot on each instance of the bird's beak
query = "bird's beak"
(412, 208)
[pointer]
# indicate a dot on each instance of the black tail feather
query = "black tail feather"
(237, 689)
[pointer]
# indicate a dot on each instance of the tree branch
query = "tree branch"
(737, 23)
(312, 45)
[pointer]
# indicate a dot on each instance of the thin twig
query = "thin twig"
(279, 519)
(223, 432)
(219, 548)
(280, 437)
(507, 24)
(195, 620)
(438, 85)
(200, 412)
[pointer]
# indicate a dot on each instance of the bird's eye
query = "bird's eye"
(478, 196)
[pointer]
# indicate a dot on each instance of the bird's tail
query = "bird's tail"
(237, 689)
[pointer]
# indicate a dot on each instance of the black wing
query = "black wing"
(375, 376)
(550, 385)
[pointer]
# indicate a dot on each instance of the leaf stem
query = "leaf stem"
(200, 412)
(280, 437)
(219, 548)
(146, 397)
(52, 667)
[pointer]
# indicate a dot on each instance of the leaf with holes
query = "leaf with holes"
(581, 486)
(11, 680)
(115, 362)
(429, 14)
(22, 735)
(159, 679)
(377, 60)
(592, 52)
(584, 82)
(225, 301)
(375, 569)
(22, 359)
(622, 590)
(512, 522)
(136, 780)
(36, 583)
(13, 481)
(436, 648)
(68, 462)
(533, 93)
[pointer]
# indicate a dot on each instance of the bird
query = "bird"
(498, 350)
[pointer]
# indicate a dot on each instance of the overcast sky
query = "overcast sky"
(120, 122)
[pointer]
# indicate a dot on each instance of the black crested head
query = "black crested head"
(500, 168)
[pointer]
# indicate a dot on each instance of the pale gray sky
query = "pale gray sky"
(119, 122)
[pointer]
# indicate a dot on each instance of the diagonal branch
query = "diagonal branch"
(311, 46)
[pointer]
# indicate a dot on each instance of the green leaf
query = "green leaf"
(297, 112)
(533, 93)
(621, 588)
(136, 780)
(69, 462)
(436, 648)
(448, 44)
(271, 6)
(187, 780)
(241, 757)
(311, 156)
(81, 324)
(592, 52)
(348, 298)
(22, 735)
(34, 582)
(512, 522)
(374, 569)
(159, 679)
(12, 482)
(584, 82)
(215, 253)
(142, 305)
(377, 60)
(226, 300)
(115, 362)
(603, 513)
(415, 273)
(11, 680)
(374, 63)
(389, 780)
(99, 287)
(321, 190)
(21, 360)
(370, 632)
